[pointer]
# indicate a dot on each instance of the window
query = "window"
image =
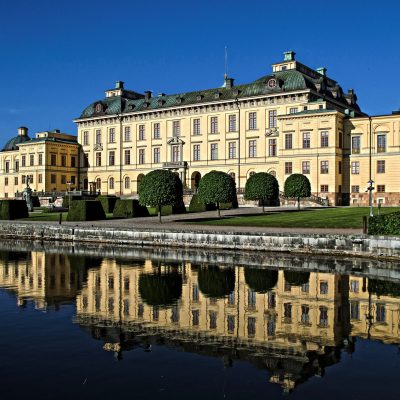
(141, 132)
(252, 148)
(231, 323)
(111, 183)
(196, 126)
(232, 123)
(176, 128)
(355, 167)
(98, 184)
(127, 157)
(63, 179)
(324, 167)
(380, 188)
(381, 142)
(23, 161)
(306, 140)
(195, 293)
(354, 310)
(5, 181)
(340, 167)
(287, 310)
(127, 134)
(380, 313)
(196, 152)
(16, 180)
(305, 314)
(111, 158)
(340, 140)
(323, 287)
(251, 326)
(213, 319)
(380, 166)
(214, 125)
(98, 159)
(73, 161)
(53, 179)
(251, 298)
(271, 300)
(176, 153)
(288, 141)
(324, 139)
(272, 119)
(355, 144)
(355, 189)
(72, 180)
(354, 286)
(141, 156)
(288, 168)
(7, 167)
(214, 151)
(252, 120)
(271, 326)
(127, 182)
(272, 147)
(24, 178)
(305, 287)
(305, 167)
(53, 160)
(324, 189)
(156, 130)
(323, 316)
(195, 317)
(16, 166)
(293, 110)
(98, 136)
(232, 150)
(111, 133)
(63, 160)
(85, 138)
(31, 160)
(156, 155)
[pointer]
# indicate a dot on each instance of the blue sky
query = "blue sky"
(59, 56)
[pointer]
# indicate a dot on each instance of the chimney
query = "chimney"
(289, 56)
(322, 71)
(147, 95)
(228, 82)
(22, 131)
(119, 85)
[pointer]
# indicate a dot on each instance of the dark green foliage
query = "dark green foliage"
(85, 210)
(233, 204)
(216, 282)
(387, 224)
(160, 187)
(160, 289)
(217, 187)
(108, 203)
(297, 185)
(196, 205)
(261, 280)
(35, 201)
(13, 209)
(296, 278)
(79, 262)
(129, 209)
(384, 288)
(262, 186)
(65, 202)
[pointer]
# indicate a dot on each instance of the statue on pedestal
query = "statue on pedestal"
(27, 195)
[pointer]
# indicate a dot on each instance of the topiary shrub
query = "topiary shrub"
(85, 210)
(196, 205)
(65, 201)
(216, 282)
(296, 278)
(297, 186)
(129, 208)
(262, 186)
(108, 203)
(13, 209)
(387, 224)
(35, 201)
(260, 280)
(160, 289)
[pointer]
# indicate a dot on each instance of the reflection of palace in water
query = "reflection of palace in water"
(292, 323)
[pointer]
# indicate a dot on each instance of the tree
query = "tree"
(296, 278)
(297, 185)
(261, 280)
(217, 187)
(216, 282)
(159, 188)
(261, 186)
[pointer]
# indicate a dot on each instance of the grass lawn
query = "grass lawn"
(350, 217)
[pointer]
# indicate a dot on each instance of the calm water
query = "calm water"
(169, 325)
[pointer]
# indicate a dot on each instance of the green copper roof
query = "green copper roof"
(12, 143)
(287, 81)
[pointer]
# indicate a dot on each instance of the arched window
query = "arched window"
(252, 173)
(98, 184)
(111, 183)
(127, 182)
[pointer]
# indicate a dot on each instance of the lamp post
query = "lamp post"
(370, 188)
(370, 182)
(69, 193)
(238, 107)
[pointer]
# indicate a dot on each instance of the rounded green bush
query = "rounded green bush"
(297, 185)
(296, 278)
(262, 186)
(217, 187)
(160, 289)
(216, 282)
(260, 280)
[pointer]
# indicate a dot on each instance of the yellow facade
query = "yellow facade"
(50, 161)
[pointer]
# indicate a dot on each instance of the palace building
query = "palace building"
(49, 162)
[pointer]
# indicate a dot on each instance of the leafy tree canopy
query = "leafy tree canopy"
(297, 185)
(216, 282)
(261, 186)
(296, 278)
(261, 280)
(217, 187)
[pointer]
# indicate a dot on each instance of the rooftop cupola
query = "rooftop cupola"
(322, 71)
(22, 131)
(289, 62)
(119, 85)
(147, 95)
(289, 55)
(228, 82)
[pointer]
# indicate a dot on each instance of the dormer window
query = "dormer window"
(146, 104)
(236, 92)
(283, 68)
(179, 99)
(160, 102)
(217, 95)
(98, 108)
(199, 97)
(271, 83)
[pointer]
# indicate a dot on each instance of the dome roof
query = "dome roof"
(12, 143)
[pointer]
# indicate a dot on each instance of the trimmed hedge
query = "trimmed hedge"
(108, 203)
(65, 202)
(85, 210)
(387, 224)
(129, 209)
(13, 209)
(196, 205)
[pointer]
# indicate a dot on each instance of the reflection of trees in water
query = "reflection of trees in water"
(12, 256)
(78, 262)
(160, 288)
(216, 282)
(261, 280)
(296, 278)
(384, 288)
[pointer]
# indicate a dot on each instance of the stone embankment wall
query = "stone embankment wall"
(360, 245)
